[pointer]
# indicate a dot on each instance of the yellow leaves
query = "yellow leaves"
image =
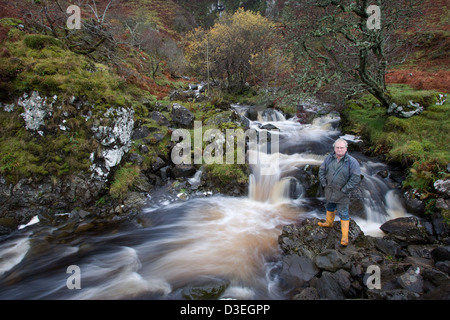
(231, 45)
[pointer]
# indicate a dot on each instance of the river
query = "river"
(210, 240)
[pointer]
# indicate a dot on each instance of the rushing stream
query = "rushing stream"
(204, 240)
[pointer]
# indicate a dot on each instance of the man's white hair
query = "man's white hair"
(341, 140)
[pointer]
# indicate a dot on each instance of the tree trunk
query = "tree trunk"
(377, 87)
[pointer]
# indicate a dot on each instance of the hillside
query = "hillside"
(427, 66)
(157, 21)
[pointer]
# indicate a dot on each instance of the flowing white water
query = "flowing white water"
(181, 244)
(11, 253)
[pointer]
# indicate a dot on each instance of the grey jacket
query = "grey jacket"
(339, 178)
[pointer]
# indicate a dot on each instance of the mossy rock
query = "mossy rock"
(205, 291)
(38, 41)
(10, 22)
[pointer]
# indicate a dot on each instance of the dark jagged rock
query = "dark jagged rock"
(405, 229)
(182, 117)
(441, 253)
(298, 269)
(389, 268)
(21, 201)
(310, 240)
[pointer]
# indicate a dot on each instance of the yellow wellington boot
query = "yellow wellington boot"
(344, 228)
(330, 220)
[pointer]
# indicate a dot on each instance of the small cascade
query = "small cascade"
(303, 145)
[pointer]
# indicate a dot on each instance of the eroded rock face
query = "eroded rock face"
(36, 110)
(115, 137)
(108, 134)
(21, 201)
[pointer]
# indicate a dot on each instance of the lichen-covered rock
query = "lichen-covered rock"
(442, 187)
(115, 138)
(36, 110)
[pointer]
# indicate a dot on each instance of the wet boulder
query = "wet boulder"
(328, 288)
(182, 117)
(413, 203)
(297, 269)
(405, 230)
(332, 260)
(205, 290)
(412, 280)
(441, 253)
(183, 170)
(310, 240)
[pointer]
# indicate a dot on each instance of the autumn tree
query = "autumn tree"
(237, 49)
(347, 45)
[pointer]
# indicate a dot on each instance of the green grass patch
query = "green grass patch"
(402, 94)
(124, 179)
(222, 176)
(406, 141)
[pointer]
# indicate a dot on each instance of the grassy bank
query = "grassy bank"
(419, 144)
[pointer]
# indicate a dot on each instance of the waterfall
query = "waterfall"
(303, 145)
(271, 179)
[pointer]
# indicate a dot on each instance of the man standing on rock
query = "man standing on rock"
(339, 174)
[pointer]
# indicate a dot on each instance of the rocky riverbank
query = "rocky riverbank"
(412, 258)
(105, 165)
(407, 263)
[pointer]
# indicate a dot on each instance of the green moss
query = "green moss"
(124, 179)
(11, 22)
(397, 124)
(41, 64)
(223, 175)
(402, 94)
(26, 154)
(366, 119)
(40, 41)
